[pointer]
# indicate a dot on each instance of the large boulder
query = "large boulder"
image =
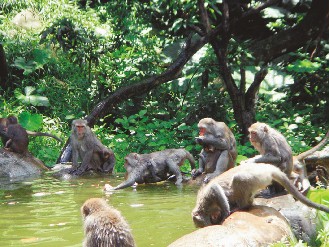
(302, 219)
(259, 226)
(15, 166)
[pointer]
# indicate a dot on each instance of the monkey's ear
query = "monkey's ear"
(85, 211)
(265, 129)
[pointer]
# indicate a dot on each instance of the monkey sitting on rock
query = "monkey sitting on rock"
(235, 190)
(89, 149)
(104, 225)
(15, 137)
(219, 148)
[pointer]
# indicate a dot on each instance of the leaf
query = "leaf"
(27, 99)
(30, 121)
(28, 67)
(302, 66)
(41, 57)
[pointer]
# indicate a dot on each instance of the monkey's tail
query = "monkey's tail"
(32, 133)
(190, 159)
(303, 155)
(282, 178)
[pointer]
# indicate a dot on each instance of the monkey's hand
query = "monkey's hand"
(196, 173)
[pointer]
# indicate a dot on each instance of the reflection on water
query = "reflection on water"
(46, 211)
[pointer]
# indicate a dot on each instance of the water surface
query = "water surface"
(46, 211)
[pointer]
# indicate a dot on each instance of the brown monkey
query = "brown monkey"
(86, 146)
(299, 166)
(14, 137)
(273, 148)
(104, 225)
(235, 189)
(219, 148)
(155, 167)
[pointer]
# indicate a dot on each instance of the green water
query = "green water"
(46, 211)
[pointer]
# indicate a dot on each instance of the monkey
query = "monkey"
(155, 167)
(14, 137)
(104, 225)
(299, 167)
(13, 120)
(219, 148)
(87, 147)
(273, 148)
(235, 190)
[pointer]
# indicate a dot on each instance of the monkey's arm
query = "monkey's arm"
(268, 158)
(221, 166)
(215, 141)
(202, 162)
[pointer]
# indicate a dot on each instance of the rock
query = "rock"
(301, 218)
(259, 226)
(15, 166)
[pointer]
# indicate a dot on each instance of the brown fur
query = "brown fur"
(104, 225)
(87, 147)
(235, 189)
(219, 148)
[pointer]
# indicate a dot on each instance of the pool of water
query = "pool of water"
(46, 211)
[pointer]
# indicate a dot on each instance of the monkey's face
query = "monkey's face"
(80, 130)
(253, 136)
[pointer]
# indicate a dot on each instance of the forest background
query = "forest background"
(145, 72)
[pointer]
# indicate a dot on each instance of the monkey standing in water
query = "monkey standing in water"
(86, 146)
(273, 148)
(104, 226)
(235, 189)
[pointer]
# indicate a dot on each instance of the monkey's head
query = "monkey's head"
(12, 119)
(257, 132)
(93, 205)
(203, 217)
(80, 128)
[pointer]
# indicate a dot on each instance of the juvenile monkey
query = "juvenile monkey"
(14, 137)
(104, 225)
(87, 147)
(11, 120)
(219, 148)
(299, 166)
(155, 167)
(235, 189)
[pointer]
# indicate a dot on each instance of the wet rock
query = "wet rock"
(15, 166)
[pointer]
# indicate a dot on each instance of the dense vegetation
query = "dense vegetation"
(78, 53)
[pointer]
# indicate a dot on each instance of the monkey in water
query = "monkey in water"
(219, 148)
(89, 149)
(104, 225)
(235, 190)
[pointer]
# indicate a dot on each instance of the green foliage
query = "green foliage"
(30, 121)
(29, 98)
(302, 66)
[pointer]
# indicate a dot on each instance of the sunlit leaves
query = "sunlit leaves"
(302, 66)
(31, 99)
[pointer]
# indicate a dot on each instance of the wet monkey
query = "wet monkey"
(235, 189)
(104, 225)
(89, 149)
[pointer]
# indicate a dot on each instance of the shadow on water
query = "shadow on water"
(46, 211)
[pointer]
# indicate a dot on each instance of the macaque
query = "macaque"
(14, 137)
(299, 167)
(87, 147)
(104, 225)
(219, 148)
(235, 190)
(6, 123)
(155, 167)
(273, 148)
